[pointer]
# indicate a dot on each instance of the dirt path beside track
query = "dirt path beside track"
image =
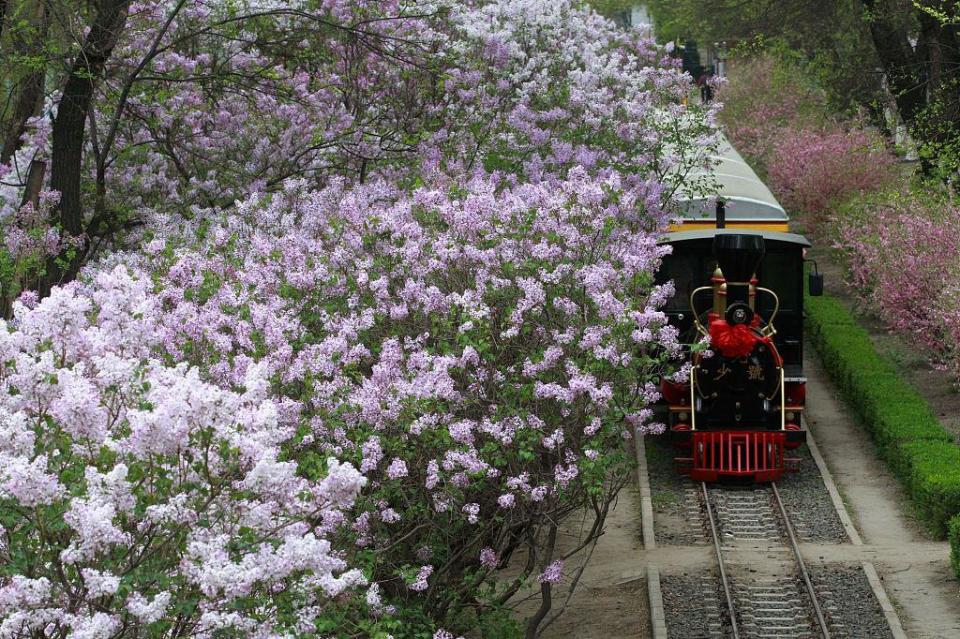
(610, 601)
(914, 569)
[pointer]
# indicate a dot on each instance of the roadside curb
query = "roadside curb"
(831, 485)
(893, 620)
(646, 503)
(889, 612)
(658, 619)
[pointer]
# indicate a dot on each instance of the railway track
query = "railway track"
(771, 598)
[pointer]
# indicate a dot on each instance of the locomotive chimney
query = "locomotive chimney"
(721, 214)
(738, 256)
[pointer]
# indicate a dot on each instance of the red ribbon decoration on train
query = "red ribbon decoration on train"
(739, 340)
(734, 341)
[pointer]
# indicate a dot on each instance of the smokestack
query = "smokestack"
(738, 256)
(721, 214)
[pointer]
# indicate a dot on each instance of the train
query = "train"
(738, 274)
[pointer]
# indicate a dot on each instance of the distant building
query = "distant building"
(640, 17)
(637, 16)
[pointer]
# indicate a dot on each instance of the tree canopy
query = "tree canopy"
(863, 52)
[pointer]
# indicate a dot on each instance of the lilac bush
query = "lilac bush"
(180, 107)
(204, 103)
(339, 399)
(28, 241)
(136, 495)
(471, 359)
(478, 353)
(268, 91)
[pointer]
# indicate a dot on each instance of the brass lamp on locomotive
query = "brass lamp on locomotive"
(739, 282)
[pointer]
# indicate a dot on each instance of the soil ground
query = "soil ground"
(611, 600)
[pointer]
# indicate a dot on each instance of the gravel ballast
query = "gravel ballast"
(808, 503)
(848, 602)
(675, 500)
(691, 606)
(676, 505)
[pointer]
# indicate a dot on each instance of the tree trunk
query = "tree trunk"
(904, 68)
(546, 588)
(34, 183)
(3, 15)
(940, 51)
(69, 132)
(29, 90)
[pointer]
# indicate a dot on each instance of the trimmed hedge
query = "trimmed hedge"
(932, 474)
(954, 535)
(909, 437)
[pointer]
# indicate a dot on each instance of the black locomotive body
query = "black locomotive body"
(740, 408)
(739, 279)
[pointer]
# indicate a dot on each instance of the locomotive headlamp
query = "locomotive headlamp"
(739, 313)
(791, 416)
(815, 279)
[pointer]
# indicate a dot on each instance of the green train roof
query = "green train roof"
(700, 234)
(748, 198)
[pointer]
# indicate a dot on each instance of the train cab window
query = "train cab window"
(686, 271)
(779, 273)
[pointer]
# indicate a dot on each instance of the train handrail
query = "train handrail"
(693, 309)
(783, 400)
(769, 330)
(693, 398)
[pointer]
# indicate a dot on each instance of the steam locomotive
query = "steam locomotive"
(738, 275)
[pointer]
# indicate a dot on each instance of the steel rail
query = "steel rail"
(723, 568)
(821, 620)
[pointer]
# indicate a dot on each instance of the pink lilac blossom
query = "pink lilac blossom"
(147, 612)
(420, 583)
(552, 573)
(472, 511)
(397, 469)
(488, 558)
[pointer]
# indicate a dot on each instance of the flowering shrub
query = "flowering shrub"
(136, 495)
(28, 241)
(341, 405)
(203, 104)
(811, 160)
(761, 97)
(176, 108)
(812, 171)
(474, 359)
(901, 252)
(341, 87)
(478, 354)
